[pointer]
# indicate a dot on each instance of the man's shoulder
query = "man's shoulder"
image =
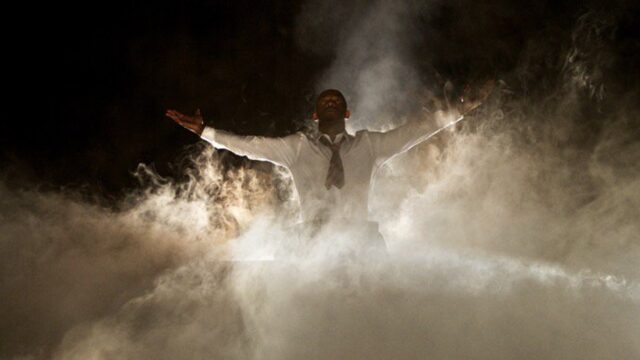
(361, 137)
(298, 135)
(295, 134)
(362, 134)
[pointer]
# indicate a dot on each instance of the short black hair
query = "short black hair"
(332, 92)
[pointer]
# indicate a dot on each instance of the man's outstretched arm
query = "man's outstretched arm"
(280, 151)
(401, 139)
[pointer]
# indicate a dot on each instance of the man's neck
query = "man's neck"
(332, 129)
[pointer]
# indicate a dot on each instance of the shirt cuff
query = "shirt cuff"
(208, 133)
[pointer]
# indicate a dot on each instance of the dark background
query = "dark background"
(89, 83)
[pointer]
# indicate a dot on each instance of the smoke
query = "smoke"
(371, 43)
(66, 261)
(515, 236)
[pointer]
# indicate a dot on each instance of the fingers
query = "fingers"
(487, 88)
(466, 90)
(173, 114)
(180, 117)
(176, 115)
(194, 123)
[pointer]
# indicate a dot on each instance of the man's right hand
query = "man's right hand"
(193, 123)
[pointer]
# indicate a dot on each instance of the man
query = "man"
(332, 170)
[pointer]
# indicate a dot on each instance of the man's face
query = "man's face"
(331, 107)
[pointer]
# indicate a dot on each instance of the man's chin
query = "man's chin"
(331, 118)
(331, 111)
(332, 115)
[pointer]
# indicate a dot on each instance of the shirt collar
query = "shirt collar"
(337, 139)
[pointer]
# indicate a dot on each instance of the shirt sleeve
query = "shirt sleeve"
(281, 151)
(399, 140)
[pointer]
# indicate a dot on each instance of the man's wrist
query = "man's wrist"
(207, 132)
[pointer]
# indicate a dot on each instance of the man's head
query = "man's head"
(331, 107)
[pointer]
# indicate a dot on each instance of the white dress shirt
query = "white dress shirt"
(308, 161)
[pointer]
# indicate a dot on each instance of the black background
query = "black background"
(89, 83)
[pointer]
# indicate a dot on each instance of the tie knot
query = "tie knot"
(327, 142)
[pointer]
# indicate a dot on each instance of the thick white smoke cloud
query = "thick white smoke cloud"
(503, 243)
(66, 262)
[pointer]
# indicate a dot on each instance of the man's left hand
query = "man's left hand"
(470, 100)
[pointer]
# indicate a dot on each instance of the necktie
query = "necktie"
(335, 176)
